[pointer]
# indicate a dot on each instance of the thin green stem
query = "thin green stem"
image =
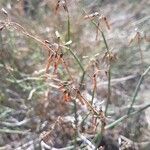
(68, 28)
(98, 140)
(93, 94)
(109, 89)
(76, 123)
(141, 57)
(75, 57)
(82, 79)
(102, 33)
(3, 130)
(109, 77)
(137, 89)
(74, 101)
(115, 123)
(81, 82)
(77, 60)
(83, 120)
(109, 70)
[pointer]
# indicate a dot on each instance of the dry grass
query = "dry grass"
(72, 75)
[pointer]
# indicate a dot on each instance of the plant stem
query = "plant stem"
(6, 130)
(81, 82)
(77, 59)
(97, 140)
(109, 69)
(109, 89)
(82, 79)
(74, 101)
(109, 80)
(83, 120)
(137, 89)
(76, 123)
(116, 122)
(141, 57)
(93, 94)
(68, 28)
(113, 124)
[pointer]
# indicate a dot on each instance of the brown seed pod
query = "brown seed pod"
(50, 59)
(66, 96)
(62, 3)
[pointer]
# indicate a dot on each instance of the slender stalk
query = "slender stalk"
(103, 36)
(19, 27)
(79, 63)
(98, 137)
(14, 131)
(115, 123)
(109, 70)
(74, 101)
(76, 123)
(109, 81)
(68, 28)
(81, 82)
(137, 89)
(43, 43)
(76, 115)
(77, 59)
(141, 57)
(109, 89)
(93, 94)
(82, 79)
(84, 119)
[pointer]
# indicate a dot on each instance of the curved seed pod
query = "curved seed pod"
(50, 59)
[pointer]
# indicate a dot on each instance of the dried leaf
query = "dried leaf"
(106, 22)
(66, 96)
(136, 38)
(57, 5)
(50, 59)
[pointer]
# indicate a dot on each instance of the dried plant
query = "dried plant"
(68, 82)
